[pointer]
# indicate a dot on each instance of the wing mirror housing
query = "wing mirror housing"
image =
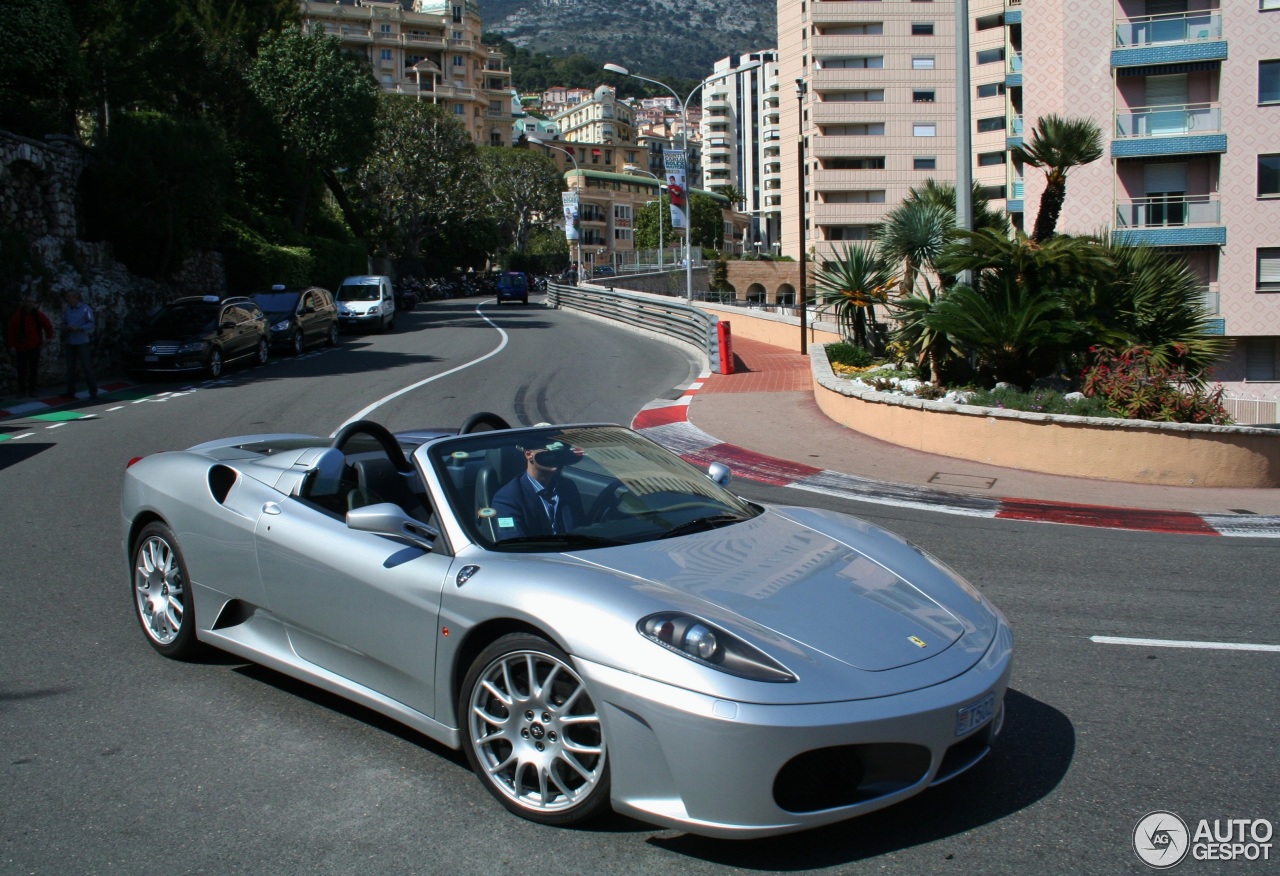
(720, 473)
(389, 519)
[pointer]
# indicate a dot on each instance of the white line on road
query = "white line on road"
(364, 412)
(56, 426)
(1173, 643)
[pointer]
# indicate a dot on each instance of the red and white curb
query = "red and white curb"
(667, 422)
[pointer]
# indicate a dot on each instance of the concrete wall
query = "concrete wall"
(1129, 451)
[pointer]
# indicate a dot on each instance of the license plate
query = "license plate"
(974, 716)
(150, 358)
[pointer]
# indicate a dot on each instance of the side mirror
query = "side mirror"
(720, 473)
(389, 519)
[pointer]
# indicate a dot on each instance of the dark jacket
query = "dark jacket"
(521, 511)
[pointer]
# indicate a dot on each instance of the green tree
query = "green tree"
(648, 218)
(851, 286)
(525, 186)
(323, 102)
(1058, 145)
(422, 177)
(706, 221)
(42, 73)
(734, 195)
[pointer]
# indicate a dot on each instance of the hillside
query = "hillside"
(681, 38)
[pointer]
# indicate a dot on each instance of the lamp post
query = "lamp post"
(578, 171)
(660, 188)
(684, 148)
(801, 88)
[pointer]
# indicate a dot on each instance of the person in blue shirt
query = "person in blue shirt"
(539, 502)
(77, 331)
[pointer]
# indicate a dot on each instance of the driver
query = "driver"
(539, 501)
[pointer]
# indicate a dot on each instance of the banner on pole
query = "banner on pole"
(674, 169)
(570, 201)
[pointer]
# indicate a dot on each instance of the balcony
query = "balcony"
(1173, 129)
(1016, 188)
(1171, 220)
(716, 101)
(1013, 135)
(1169, 39)
(1013, 70)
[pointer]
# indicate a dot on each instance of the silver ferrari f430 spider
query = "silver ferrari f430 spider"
(595, 622)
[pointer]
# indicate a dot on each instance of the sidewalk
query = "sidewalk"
(764, 423)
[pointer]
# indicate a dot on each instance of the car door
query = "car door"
(308, 316)
(240, 338)
(360, 605)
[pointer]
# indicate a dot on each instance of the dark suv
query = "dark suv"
(200, 333)
(299, 316)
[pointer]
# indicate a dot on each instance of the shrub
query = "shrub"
(849, 354)
(1040, 401)
(1132, 385)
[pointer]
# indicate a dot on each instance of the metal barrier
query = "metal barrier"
(671, 318)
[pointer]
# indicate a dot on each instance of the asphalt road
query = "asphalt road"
(118, 761)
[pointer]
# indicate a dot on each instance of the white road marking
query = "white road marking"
(364, 412)
(116, 408)
(1173, 643)
(55, 426)
(22, 435)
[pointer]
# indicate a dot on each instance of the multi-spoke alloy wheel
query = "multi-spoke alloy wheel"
(533, 733)
(161, 595)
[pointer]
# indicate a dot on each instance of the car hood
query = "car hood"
(837, 586)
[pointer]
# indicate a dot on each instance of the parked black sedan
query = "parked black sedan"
(199, 333)
(299, 317)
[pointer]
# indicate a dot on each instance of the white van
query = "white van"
(367, 302)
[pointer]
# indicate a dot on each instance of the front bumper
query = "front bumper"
(719, 768)
(142, 361)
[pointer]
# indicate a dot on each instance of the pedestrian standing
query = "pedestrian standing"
(77, 331)
(28, 329)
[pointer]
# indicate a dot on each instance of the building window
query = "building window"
(990, 159)
(386, 54)
(868, 28)
(924, 130)
(863, 129)
(861, 62)
(991, 123)
(987, 22)
(991, 56)
(991, 89)
(993, 193)
(857, 197)
(459, 109)
(924, 163)
(458, 61)
(923, 97)
(1268, 176)
(1260, 359)
(922, 62)
(457, 14)
(1269, 82)
(862, 163)
(866, 96)
(1269, 269)
(922, 28)
(849, 232)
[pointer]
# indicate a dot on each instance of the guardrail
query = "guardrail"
(671, 318)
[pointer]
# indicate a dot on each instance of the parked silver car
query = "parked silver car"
(594, 621)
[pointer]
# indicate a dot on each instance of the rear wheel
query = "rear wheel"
(532, 732)
(264, 351)
(332, 338)
(161, 593)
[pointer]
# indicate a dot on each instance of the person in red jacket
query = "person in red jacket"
(28, 330)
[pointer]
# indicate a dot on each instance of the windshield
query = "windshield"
(184, 319)
(358, 292)
(277, 302)
(513, 281)
(579, 487)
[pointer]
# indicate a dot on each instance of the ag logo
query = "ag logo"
(1161, 840)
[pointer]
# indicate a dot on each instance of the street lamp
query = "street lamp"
(578, 176)
(684, 148)
(801, 88)
(660, 188)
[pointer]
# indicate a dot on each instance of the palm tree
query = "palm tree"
(735, 196)
(1057, 145)
(852, 286)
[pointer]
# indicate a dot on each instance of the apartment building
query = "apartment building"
(429, 49)
(1186, 93)
(742, 141)
(602, 118)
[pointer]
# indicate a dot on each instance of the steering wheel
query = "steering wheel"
(379, 433)
(613, 502)
(483, 418)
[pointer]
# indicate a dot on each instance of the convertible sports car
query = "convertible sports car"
(594, 621)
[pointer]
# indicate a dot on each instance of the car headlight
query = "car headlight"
(191, 347)
(706, 644)
(374, 311)
(282, 326)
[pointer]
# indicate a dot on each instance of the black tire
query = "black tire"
(332, 338)
(213, 364)
(264, 352)
(298, 342)
(536, 764)
(162, 599)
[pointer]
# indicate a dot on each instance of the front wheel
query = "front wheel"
(533, 733)
(162, 598)
(213, 365)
